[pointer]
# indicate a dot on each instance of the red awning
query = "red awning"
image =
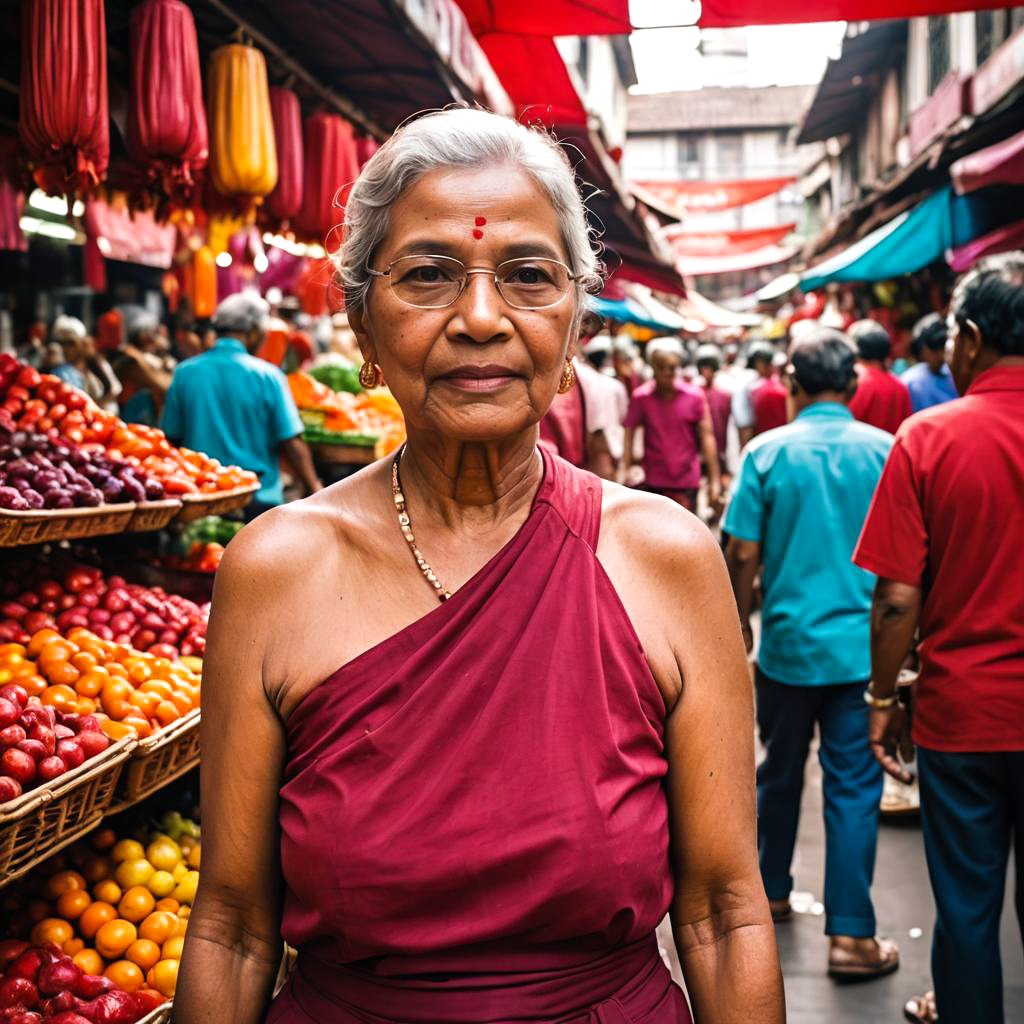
(688, 197)
(1004, 239)
(1001, 164)
(736, 13)
(534, 75)
(551, 18)
(696, 266)
(725, 243)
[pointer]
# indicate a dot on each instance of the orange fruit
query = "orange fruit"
(144, 952)
(88, 960)
(53, 652)
(125, 975)
(136, 903)
(8, 649)
(61, 697)
(52, 929)
(181, 926)
(171, 949)
(85, 706)
(107, 890)
(61, 882)
(141, 725)
(91, 682)
(139, 669)
(116, 730)
(161, 667)
(71, 903)
(62, 672)
(84, 660)
(169, 904)
(182, 701)
(40, 640)
(116, 669)
(73, 946)
(104, 838)
(94, 917)
(158, 686)
(145, 703)
(158, 927)
(96, 868)
(114, 938)
(34, 685)
(166, 713)
(165, 977)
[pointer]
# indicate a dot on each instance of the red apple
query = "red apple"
(35, 749)
(12, 735)
(15, 693)
(93, 742)
(51, 768)
(18, 765)
(71, 753)
(9, 712)
(10, 789)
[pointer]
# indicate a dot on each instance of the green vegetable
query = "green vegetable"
(337, 377)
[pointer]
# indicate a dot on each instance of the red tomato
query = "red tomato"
(28, 378)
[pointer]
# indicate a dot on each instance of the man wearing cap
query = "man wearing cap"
(238, 408)
(929, 380)
(759, 405)
(882, 399)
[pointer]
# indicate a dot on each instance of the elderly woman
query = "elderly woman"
(539, 738)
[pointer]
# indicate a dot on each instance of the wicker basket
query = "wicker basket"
(196, 506)
(36, 526)
(159, 759)
(153, 515)
(158, 1016)
(44, 820)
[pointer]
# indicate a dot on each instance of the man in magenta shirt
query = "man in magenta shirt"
(945, 534)
(882, 399)
(677, 428)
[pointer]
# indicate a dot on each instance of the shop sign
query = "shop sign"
(687, 197)
(950, 101)
(999, 74)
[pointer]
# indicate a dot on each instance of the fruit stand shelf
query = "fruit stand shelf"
(219, 503)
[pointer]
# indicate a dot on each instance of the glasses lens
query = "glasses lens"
(427, 281)
(532, 283)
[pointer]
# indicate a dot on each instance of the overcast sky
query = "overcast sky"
(667, 59)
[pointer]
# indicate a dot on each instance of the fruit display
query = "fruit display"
(200, 546)
(39, 743)
(125, 691)
(31, 401)
(98, 930)
(66, 595)
(38, 472)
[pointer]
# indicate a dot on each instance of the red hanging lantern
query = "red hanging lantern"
(332, 165)
(64, 124)
(365, 148)
(283, 203)
(12, 197)
(167, 132)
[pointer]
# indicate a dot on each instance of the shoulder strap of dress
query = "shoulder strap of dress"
(575, 495)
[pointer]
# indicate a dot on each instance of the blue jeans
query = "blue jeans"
(852, 786)
(971, 805)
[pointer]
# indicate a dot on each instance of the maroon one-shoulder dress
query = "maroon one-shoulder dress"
(473, 818)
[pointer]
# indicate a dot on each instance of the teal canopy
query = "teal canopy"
(910, 241)
(628, 311)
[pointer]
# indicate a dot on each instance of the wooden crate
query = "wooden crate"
(153, 515)
(158, 760)
(196, 506)
(37, 526)
(47, 818)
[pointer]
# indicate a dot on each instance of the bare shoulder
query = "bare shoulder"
(669, 543)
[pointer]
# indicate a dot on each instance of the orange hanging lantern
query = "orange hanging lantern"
(201, 283)
(167, 132)
(243, 157)
(283, 203)
(332, 165)
(64, 124)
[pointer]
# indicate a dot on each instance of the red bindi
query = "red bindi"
(477, 233)
(481, 221)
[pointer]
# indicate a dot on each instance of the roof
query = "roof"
(842, 99)
(699, 109)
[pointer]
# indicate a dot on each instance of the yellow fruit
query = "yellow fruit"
(52, 929)
(125, 975)
(143, 952)
(161, 884)
(179, 871)
(172, 948)
(137, 871)
(108, 891)
(94, 917)
(137, 903)
(88, 960)
(114, 938)
(185, 891)
(158, 927)
(193, 855)
(127, 849)
(165, 977)
(163, 853)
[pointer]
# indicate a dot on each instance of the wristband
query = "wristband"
(879, 703)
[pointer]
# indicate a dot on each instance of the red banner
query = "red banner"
(735, 13)
(725, 243)
(687, 197)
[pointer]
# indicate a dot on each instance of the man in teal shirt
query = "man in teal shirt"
(238, 408)
(797, 510)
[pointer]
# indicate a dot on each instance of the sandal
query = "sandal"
(847, 965)
(921, 1009)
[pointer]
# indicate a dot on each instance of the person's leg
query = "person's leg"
(852, 784)
(785, 721)
(1014, 774)
(965, 820)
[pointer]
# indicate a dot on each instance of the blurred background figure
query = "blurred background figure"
(882, 399)
(627, 364)
(929, 381)
(760, 403)
(709, 364)
(144, 367)
(677, 430)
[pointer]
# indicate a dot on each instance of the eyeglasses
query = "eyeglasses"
(434, 282)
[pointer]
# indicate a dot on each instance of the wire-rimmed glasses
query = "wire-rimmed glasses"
(434, 282)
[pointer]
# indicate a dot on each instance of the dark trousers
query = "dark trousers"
(971, 806)
(852, 783)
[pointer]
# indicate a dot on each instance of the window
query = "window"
(938, 51)
(993, 28)
(730, 156)
(688, 156)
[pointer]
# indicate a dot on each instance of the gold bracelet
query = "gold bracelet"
(879, 703)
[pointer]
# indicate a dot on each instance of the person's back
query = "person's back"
(928, 388)
(882, 399)
(768, 399)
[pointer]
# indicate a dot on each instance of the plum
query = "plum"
(93, 742)
(70, 752)
(36, 750)
(10, 497)
(12, 735)
(10, 789)
(14, 692)
(51, 768)
(60, 976)
(18, 765)
(19, 989)
(9, 712)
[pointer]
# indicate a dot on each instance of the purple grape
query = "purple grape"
(11, 498)
(32, 499)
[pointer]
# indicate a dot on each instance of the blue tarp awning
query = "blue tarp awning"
(914, 239)
(628, 311)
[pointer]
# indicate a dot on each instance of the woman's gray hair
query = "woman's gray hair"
(460, 137)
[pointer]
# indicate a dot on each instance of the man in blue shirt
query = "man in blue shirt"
(929, 380)
(238, 408)
(798, 506)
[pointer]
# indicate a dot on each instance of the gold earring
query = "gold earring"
(568, 378)
(369, 376)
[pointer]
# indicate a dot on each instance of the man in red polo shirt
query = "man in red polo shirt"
(945, 534)
(882, 399)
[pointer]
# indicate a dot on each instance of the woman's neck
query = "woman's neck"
(460, 480)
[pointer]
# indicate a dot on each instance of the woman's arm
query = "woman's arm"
(720, 916)
(233, 946)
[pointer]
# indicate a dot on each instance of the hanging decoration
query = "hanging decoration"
(64, 123)
(283, 203)
(332, 165)
(12, 196)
